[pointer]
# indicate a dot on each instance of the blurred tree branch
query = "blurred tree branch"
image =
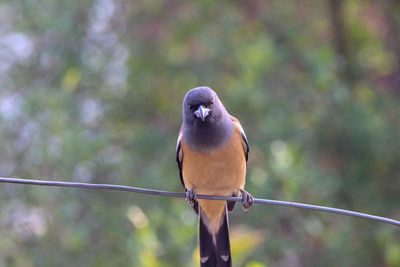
(392, 41)
(340, 40)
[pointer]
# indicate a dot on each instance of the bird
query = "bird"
(212, 152)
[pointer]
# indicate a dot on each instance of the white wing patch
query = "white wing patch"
(243, 134)
(177, 147)
(240, 128)
(178, 141)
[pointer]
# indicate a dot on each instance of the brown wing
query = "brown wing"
(231, 204)
(179, 160)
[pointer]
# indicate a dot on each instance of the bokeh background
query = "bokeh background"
(91, 91)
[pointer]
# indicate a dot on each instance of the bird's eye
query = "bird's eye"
(190, 107)
(211, 103)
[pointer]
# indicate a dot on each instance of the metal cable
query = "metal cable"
(182, 195)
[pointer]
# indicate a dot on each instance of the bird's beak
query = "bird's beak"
(202, 112)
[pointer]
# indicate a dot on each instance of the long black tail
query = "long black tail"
(215, 250)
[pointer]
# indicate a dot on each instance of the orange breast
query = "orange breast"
(221, 172)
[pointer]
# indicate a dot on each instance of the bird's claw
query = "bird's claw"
(191, 197)
(247, 200)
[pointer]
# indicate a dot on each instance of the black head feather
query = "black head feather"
(212, 132)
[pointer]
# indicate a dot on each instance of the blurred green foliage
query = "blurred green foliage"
(91, 91)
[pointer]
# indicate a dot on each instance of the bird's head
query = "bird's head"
(201, 106)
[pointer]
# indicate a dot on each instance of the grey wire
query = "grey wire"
(182, 195)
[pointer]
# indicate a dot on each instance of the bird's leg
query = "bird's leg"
(247, 200)
(191, 197)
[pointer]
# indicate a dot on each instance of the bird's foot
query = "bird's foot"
(247, 200)
(191, 197)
